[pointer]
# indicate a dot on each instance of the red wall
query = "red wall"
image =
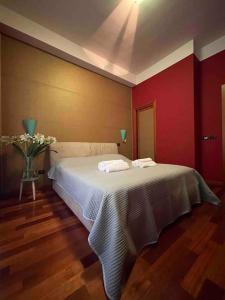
(212, 76)
(173, 92)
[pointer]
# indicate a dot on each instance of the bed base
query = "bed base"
(73, 205)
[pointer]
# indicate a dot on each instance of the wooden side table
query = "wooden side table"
(32, 180)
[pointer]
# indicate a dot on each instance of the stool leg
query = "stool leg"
(21, 190)
(33, 189)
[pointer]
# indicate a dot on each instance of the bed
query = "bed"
(115, 206)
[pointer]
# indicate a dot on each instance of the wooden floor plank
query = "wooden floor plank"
(195, 277)
(44, 254)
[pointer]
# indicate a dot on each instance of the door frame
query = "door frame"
(223, 128)
(153, 106)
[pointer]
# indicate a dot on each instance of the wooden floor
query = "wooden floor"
(44, 254)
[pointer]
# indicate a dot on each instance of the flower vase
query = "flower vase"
(28, 171)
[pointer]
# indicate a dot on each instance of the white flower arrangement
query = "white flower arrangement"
(38, 139)
(29, 146)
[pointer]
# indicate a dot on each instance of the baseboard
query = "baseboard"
(215, 183)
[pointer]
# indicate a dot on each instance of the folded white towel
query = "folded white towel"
(144, 159)
(136, 162)
(102, 165)
(116, 167)
(147, 164)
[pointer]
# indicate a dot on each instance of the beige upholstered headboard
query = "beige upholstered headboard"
(76, 149)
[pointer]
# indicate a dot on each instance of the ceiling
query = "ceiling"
(131, 36)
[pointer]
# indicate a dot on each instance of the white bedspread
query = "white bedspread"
(129, 208)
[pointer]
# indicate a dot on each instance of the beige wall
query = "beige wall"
(69, 102)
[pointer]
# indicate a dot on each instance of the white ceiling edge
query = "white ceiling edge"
(179, 54)
(21, 28)
(167, 61)
(33, 33)
(211, 49)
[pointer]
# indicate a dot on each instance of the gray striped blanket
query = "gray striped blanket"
(129, 209)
